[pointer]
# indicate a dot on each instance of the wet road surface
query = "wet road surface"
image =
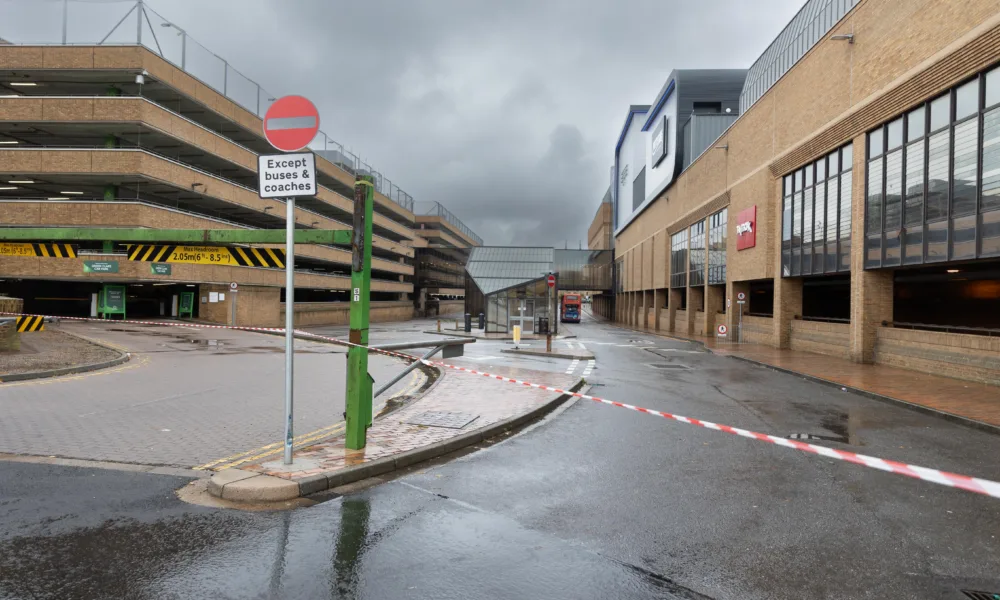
(594, 502)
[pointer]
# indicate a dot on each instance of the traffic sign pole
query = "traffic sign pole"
(289, 325)
(359, 385)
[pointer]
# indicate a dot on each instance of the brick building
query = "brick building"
(153, 131)
(853, 201)
(599, 235)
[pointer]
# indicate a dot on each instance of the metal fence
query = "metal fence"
(435, 209)
(134, 22)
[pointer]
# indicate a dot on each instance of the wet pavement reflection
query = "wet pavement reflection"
(396, 541)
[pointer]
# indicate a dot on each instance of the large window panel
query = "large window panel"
(991, 159)
(797, 234)
(966, 152)
(913, 204)
(894, 191)
(696, 272)
(831, 226)
(846, 187)
(818, 229)
(678, 259)
(807, 230)
(938, 179)
(873, 204)
(786, 235)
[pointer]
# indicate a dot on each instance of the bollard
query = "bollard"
(439, 325)
(548, 342)
(468, 323)
(482, 321)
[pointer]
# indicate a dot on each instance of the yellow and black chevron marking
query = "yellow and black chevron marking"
(49, 250)
(30, 323)
(209, 255)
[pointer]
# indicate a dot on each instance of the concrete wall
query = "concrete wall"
(971, 357)
(758, 330)
(339, 313)
(255, 306)
(823, 338)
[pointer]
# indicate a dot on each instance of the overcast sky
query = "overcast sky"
(506, 112)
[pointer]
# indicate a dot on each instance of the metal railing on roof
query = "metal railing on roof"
(435, 209)
(134, 22)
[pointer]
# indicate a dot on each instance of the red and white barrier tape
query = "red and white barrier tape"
(964, 482)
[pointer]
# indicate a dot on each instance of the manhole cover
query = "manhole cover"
(441, 418)
(669, 366)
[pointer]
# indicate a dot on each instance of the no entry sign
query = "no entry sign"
(291, 123)
(551, 280)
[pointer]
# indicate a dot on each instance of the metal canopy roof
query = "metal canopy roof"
(494, 269)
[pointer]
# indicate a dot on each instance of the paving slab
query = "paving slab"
(395, 442)
(570, 353)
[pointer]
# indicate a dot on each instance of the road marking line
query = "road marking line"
(572, 366)
(589, 367)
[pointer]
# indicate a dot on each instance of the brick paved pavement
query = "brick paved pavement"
(187, 397)
(492, 401)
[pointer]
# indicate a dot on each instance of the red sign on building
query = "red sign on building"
(746, 228)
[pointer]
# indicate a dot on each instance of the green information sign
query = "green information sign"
(160, 268)
(112, 300)
(187, 304)
(100, 266)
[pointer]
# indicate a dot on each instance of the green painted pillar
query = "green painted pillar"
(110, 193)
(359, 385)
(113, 90)
(109, 247)
(110, 141)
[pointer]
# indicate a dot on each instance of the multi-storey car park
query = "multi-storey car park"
(851, 195)
(141, 134)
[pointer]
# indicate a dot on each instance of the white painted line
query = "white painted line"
(589, 367)
(572, 366)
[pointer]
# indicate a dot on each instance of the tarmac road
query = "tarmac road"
(594, 502)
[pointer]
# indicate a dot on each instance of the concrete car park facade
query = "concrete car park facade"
(118, 136)
(799, 205)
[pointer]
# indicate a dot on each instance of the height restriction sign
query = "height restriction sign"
(291, 123)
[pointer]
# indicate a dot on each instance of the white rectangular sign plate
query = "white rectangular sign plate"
(286, 175)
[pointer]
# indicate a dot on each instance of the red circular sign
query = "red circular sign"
(551, 280)
(291, 123)
(723, 329)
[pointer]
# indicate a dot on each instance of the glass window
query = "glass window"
(833, 162)
(967, 100)
(993, 87)
(831, 210)
(807, 216)
(895, 135)
(893, 191)
(966, 151)
(821, 170)
(678, 259)
(797, 220)
(809, 175)
(941, 112)
(875, 143)
(846, 181)
(786, 221)
(873, 204)
(916, 124)
(697, 255)
(914, 214)
(798, 179)
(939, 147)
(847, 160)
(991, 160)
(820, 213)
(788, 185)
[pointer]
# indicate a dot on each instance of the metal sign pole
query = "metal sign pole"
(740, 334)
(289, 323)
(359, 388)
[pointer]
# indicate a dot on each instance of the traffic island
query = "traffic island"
(460, 411)
(570, 353)
(52, 353)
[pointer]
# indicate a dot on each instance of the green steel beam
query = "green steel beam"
(174, 236)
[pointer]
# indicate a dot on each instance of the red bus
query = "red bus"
(570, 308)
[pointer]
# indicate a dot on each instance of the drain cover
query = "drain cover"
(974, 595)
(441, 418)
(669, 366)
